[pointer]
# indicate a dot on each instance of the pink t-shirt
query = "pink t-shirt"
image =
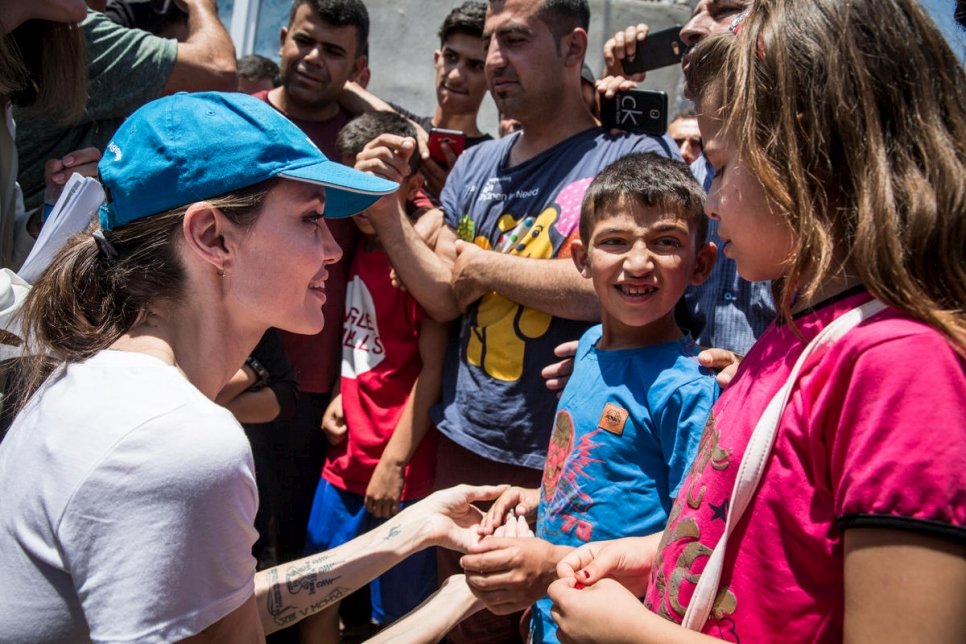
(380, 364)
(874, 435)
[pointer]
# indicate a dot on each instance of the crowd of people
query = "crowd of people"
(566, 383)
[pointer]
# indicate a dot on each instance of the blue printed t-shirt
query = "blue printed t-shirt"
(627, 427)
(494, 402)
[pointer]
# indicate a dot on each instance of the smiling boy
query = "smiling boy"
(632, 414)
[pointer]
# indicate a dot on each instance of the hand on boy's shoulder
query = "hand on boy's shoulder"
(721, 360)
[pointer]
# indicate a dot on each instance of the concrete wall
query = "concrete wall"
(403, 37)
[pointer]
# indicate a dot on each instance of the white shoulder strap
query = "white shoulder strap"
(756, 456)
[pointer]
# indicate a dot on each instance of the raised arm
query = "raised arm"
(426, 272)
(206, 59)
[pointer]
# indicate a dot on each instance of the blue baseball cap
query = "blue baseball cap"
(190, 147)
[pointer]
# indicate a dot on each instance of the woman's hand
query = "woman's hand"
(516, 501)
(449, 517)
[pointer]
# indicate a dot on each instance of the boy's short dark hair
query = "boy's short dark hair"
(254, 67)
(340, 13)
(468, 18)
(563, 16)
(359, 131)
(650, 180)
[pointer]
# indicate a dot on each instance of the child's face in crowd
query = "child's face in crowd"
(408, 189)
(460, 83)
(641, 259)
(751, 231)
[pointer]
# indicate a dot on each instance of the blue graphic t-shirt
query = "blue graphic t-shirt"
(626, 430)
(494, 402)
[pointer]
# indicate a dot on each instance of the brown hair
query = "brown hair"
(650, 180)
(44, 67)
(851, 114)
(85, 300)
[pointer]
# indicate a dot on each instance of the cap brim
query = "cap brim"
(347, 191)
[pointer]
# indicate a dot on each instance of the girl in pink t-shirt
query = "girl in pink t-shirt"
(837, 132)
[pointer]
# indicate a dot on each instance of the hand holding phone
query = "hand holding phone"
(660, 49)
(455, 139)
(635, 110)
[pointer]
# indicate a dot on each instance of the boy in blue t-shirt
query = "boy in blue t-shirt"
(631, 416)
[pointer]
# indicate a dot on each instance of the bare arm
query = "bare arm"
(903, 586)
(385, 486)
(426, 272)
(206, 59)
(430, 621)
(553, 286)
(292, 591)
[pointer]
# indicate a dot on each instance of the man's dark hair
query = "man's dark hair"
(468, 18)
(340, 13)
(362, 129)
(254, 67)
(563, 16)
(650, 180)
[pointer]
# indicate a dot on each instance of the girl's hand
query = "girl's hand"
(385, 489)
(603, 612)
(627, 560)
(333, 421)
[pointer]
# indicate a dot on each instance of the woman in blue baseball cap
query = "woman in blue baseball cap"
(128, 495)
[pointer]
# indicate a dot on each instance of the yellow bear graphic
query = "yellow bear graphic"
(499, 332)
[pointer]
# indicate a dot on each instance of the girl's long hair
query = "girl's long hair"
(852, 113)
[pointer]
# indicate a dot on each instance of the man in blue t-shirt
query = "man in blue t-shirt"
(511, 210)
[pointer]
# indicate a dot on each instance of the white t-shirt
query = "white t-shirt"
(127, 507)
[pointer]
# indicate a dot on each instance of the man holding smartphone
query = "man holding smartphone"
(511, 208)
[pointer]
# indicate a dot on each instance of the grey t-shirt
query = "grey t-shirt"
(128, 68)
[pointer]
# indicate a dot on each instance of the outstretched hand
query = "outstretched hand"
(450, 518)
(514, 502)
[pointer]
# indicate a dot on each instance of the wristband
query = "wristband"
(260, 371)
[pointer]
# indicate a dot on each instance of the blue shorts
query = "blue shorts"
(339, 516)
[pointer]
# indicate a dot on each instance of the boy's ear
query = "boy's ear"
(703, 262)
(204, 228)
(581, 260)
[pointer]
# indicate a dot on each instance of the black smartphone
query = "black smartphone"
(659, 49)
(636, 110)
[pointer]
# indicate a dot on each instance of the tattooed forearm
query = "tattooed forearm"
(334, 595)
(281, 614)
(393, 532)
(308, 575)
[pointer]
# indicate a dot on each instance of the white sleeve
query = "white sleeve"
(158, 537)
